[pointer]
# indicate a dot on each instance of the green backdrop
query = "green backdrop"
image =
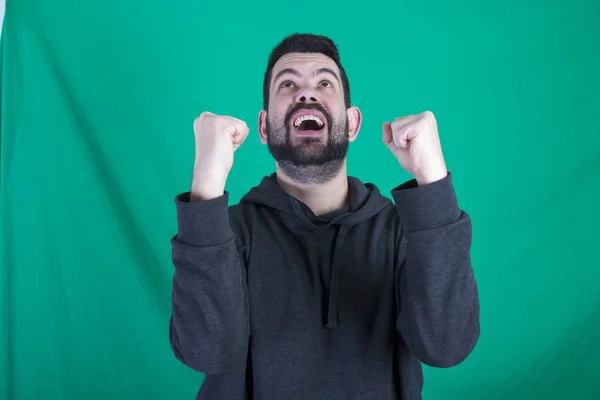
(98, 100)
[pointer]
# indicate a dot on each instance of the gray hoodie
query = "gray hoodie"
(271, 302)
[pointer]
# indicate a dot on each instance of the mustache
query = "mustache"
(312, 106)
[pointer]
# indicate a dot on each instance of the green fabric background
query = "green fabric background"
(98, 100)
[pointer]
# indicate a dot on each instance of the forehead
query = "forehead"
(305, 63)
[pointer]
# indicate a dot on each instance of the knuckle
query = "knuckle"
(203, 119)
(205, 115)
(428, 114)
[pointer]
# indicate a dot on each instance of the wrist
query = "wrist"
(431, 177)
(206, 190)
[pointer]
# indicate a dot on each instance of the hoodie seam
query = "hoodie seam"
(402, 251)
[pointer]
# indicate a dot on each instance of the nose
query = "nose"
(306, 95)
(303, 99)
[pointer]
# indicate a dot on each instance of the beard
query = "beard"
(310, 161)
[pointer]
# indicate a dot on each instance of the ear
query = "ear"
(354, 123)
(262, 126)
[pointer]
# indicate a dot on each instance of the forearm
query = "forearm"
(439, 314)
(209, 323)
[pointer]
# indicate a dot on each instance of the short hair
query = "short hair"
(305, 43)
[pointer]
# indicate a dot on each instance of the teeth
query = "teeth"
(303, 118)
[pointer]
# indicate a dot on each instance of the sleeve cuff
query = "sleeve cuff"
(203, 223)
(426, 207)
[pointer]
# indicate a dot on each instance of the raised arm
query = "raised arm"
(439, 302)
(209, 326)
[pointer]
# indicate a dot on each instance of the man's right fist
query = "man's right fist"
(217, 137)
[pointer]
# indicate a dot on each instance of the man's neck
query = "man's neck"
(321, 198)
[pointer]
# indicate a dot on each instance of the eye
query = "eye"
(287, 84)
(325, 84)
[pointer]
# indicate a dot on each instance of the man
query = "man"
(316, 286)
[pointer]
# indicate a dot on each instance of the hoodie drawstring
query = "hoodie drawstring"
(366, 201)
(332, 319)
(334, 282)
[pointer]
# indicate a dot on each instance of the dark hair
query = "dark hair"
(305, 43)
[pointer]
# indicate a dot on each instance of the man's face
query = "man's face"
(307, 127)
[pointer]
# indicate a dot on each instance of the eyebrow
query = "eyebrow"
(296, 73)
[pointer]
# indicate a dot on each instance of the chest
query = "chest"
(289, 275)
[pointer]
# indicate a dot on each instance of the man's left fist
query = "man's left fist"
(415, 142)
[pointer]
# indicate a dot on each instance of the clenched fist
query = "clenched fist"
(415, 142)
(217, 137)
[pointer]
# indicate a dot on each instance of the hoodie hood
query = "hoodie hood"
(366, 201)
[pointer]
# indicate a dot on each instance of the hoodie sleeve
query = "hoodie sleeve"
(439, 303)
(209, 325)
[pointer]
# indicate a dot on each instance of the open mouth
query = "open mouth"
(306, 123)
